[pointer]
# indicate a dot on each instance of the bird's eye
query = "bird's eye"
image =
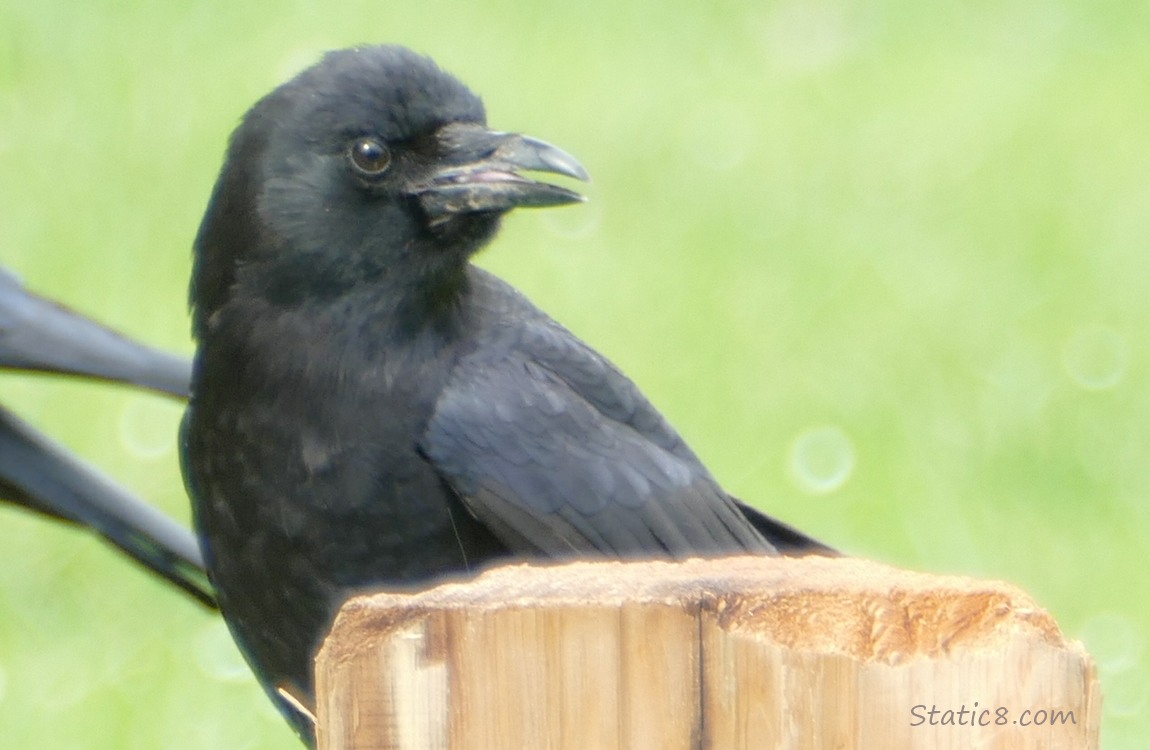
(369, 157)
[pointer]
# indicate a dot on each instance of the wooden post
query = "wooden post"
(732, 654)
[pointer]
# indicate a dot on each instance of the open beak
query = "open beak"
(480, 171)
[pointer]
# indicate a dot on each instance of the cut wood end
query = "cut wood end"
(733, 653)
(855, 607)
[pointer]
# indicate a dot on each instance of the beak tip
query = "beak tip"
(579, 172)
(534, 154)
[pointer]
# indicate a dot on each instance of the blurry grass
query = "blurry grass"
(922, 226)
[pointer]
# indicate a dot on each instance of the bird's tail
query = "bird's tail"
(39, 474)
(39, 335)
(788, 540)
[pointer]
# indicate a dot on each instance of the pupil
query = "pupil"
(370, 155)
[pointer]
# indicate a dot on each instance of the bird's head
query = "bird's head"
(371, 165)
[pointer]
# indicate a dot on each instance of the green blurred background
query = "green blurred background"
(886, 265)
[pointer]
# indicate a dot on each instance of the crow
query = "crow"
(369, 409)
(38, 335)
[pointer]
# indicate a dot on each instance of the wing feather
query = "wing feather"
(557, 452)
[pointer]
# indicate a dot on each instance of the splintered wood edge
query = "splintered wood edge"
(857, 608)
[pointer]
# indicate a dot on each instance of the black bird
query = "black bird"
(38, 335)
(369, 409)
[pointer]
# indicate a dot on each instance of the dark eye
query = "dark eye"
(369, 156)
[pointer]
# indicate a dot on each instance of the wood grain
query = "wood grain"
(741, 652)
